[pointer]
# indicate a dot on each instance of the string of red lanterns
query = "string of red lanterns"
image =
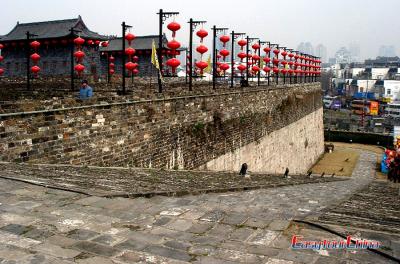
(224, 53)
(79, 55)
(267, 60)
(111, 65)
(242, 55)
(173, 45)
(202, 33)
(1, 58)
(131, 65)
(35, 57)
(255, 58)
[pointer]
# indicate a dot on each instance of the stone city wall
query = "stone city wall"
(181, 132)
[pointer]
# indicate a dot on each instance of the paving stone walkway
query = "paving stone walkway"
(39, 225)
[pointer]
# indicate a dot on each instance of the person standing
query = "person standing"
(86, 91)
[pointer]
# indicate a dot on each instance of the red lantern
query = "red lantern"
(241, 68)
(79, 41)
(112, 65)
(112, 71)
(284, 71)
(290, 71)
(35, 69)
(90, 42)
(97, 42)
(135, 71)
(242, 43)
(224, 39)
(219, 56)
(130, 51)
(255, 46)
(130, 37)
(256, 57)
(201, 49)
(1, 71)
(266, 59)
(284, 53)
(283, 63)
(201, 65)
(130, 66)
(275, 70)
(224, 53)
(173, 44)
(35, 45)
(112, 59)
(1, 46)
(104, 44)
(267, 49)
(242, 55)
(135, 59)
(1, 58)
(255, 68)
(275, 61)
(202, 34)
(79, 55)
(174, 26)
(291, 55)
(267, 69)
(276, 51)
(173, 63)
(34, 57)
(224, 66)
(79, 68)
(296, 57)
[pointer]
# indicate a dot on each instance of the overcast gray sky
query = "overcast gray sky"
(336, 23)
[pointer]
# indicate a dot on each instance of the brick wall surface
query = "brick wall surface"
(176, 132)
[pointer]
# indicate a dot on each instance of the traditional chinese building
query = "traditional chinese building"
(57, 46)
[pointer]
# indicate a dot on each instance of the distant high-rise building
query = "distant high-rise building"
(343, 55)
(306, 47)
(387, 51)
(322, 52)
(355, 51)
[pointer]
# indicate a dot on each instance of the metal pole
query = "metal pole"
(247, 60)
(259, 63)
(190, 54)
(214, 55)
(232, 57)
(160, 47)
(123, 57)
(28, 81)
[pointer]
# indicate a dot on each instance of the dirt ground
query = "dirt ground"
(344, 158)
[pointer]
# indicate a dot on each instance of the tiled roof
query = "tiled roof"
(51, 29)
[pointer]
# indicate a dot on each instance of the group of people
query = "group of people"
(391, 165)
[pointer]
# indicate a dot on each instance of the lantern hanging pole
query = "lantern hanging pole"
(124, 28)
(72, 49)
(269, 56)
(162, 16)
(260, 43)
(215, 31)
(28, 77)
(234, 36)
(192, 26)
(295, 67)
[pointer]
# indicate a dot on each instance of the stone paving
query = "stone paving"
(40, 225)
(136, 182)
